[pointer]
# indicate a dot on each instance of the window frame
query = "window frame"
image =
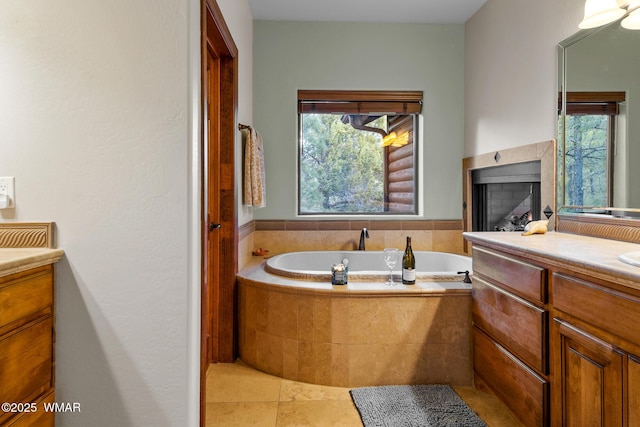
(593, 103)
(363, 102)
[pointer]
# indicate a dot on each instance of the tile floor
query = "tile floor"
(238, 395)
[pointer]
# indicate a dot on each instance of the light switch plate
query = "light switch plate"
(7, 187)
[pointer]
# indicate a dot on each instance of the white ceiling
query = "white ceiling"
(398, 11)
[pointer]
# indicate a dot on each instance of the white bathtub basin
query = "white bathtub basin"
(367, 265)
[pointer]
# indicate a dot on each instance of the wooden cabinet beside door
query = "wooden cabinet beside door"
(27, 343)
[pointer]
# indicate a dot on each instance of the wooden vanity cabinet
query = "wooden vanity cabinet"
(510, 338)
(559, 345)
(27, 345)
(596, 343)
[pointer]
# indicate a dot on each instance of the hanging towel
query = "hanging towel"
(254, 182)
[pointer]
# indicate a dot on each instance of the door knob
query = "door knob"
(213, 226)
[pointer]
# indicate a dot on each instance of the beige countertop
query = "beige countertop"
(593, 255)
(14, 260)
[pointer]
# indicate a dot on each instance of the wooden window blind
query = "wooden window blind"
(605, 103)
(359, 102)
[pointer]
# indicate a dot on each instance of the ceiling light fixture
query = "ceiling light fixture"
(632, 22)
(601, 12)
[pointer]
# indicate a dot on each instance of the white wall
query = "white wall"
(511, 71)
(98, 128)
(304, 55)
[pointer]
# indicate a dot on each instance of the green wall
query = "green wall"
(308, 55)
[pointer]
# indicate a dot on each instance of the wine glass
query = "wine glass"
(390, 258)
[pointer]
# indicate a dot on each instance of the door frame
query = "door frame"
(218, 305)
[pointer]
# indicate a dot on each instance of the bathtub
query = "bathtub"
(367, 265)
(293, 323)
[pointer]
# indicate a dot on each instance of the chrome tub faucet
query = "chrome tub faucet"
(363, 234)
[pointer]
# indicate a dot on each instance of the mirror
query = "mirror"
(599, 122)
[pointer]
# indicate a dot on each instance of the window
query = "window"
(358, 152)
(588, 148)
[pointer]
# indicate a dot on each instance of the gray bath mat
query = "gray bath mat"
(413, 406)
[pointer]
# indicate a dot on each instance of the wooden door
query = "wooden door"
(213, 223)
(220, 223)
(590, 381)
(219, 220)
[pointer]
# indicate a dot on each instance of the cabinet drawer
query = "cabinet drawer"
(25, 298)
(40, 418)
(26, 362)
(516, 324)
(597, 305)
(524, 392)
(523, 279)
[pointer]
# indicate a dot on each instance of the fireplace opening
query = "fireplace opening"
(506, 198)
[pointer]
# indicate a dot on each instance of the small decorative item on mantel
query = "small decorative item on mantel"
(536, 227)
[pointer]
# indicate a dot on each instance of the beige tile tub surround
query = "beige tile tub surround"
(353, 337)
(246, 234)
(281, 236)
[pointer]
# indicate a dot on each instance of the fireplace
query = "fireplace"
(542, 153)
(505, 198)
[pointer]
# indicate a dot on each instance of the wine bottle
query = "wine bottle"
(408, 265)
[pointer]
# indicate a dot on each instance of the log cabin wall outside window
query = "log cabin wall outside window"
(358, 152)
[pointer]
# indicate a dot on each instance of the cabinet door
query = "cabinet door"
(589, 379)
(633, 387)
